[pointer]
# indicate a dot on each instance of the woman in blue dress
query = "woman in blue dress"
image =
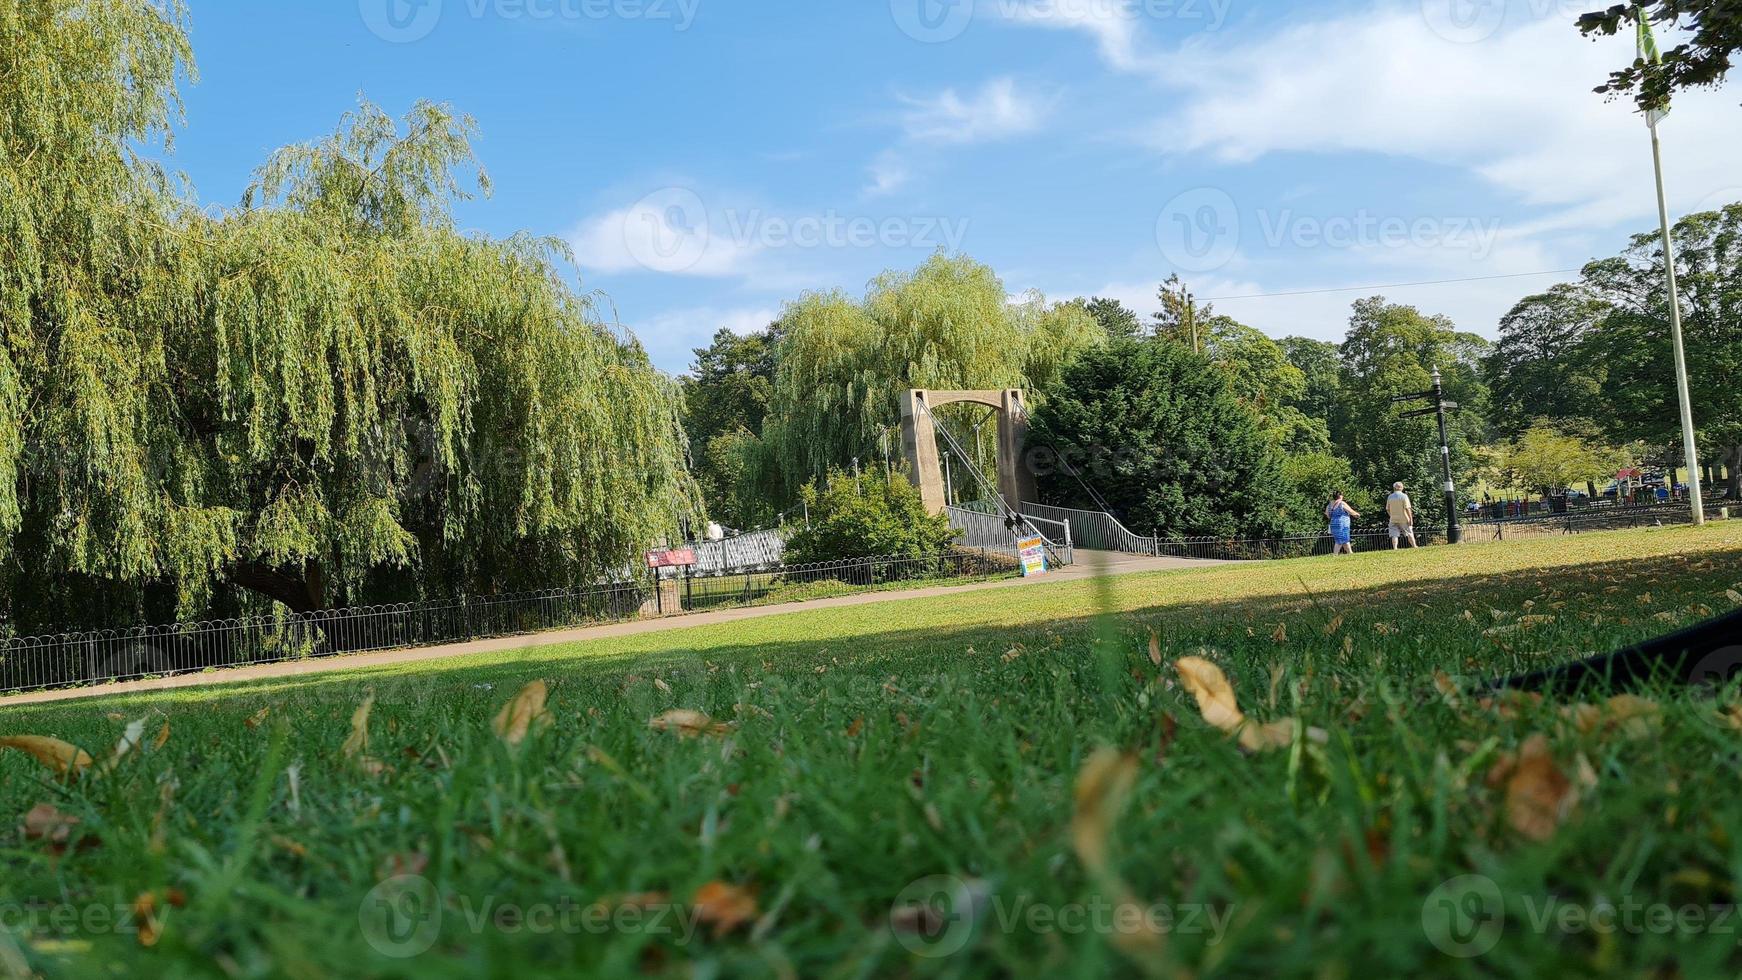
(1340, 513)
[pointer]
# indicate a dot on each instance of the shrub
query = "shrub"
(867, 516)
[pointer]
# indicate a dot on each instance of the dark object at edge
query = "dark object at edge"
(1710, 652)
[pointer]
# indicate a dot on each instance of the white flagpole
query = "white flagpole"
(1675, 333)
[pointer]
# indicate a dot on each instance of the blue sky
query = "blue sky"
(710, 160)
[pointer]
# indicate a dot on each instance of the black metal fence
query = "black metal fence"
(795, 583)
(1107, 533)
(74, 659)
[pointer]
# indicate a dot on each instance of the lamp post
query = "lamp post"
(1454, 534)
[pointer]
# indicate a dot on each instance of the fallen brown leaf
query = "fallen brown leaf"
(45, 823)
(519, 715)
(64, 758)
(1102, 785)
(688, 723)
(145, 921)
(1155, 647)
(1539, 797)
(258, 718)
(723, 906)
(1215, 696)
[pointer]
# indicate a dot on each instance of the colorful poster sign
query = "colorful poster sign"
(1032, 552)
(671, 558)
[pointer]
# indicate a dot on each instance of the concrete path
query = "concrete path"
(1090, 564)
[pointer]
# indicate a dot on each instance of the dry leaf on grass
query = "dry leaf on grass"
(131, 738)
(1101, 789)
(45, 823)
(358, 741)
(1448, 689)
(162, 736)
(1216, 702)
(688, 723)
(723, 906)
(518, 716)
(1155, 648)
(1626, 714)
(1539, 796)
(257, 718)
(145, 919)
(64, 758)
(1215, 696)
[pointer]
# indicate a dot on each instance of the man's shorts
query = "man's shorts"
(1402, 531)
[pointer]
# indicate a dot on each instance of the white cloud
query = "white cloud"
(672, 337)
(668, 231)
(1113, 25)
(997, 111)
(889, 173)
(1515, 109)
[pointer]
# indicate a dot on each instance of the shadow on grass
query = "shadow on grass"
(1474, 624)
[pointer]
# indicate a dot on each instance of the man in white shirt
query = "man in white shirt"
(1402, 516)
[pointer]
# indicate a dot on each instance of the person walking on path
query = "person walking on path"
(1339, 513)
(1401, 513)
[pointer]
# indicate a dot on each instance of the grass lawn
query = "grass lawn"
(979, 784)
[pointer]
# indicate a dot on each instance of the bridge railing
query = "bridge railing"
(983, 527)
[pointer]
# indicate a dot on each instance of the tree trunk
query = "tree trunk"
(300, 592)
(1733, 464)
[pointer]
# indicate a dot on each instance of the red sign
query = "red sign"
(675, 558)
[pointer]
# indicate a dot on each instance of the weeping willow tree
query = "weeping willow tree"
(949, 324)
(325, 395)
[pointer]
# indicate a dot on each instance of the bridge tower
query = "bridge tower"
(919, 441)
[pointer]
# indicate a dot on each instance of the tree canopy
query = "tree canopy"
(1715, 35)
(326, 394)
(1161, 434)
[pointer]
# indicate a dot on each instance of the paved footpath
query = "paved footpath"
(1090, 564)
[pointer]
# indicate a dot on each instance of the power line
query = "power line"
(1395, 285)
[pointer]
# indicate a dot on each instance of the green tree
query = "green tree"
(870, 515)
(1181, 317)
(1119, 321)
(1542, 367)
(1321, 368)
(326, 395)
(1548, 457)
(726, 397)
(1311, 479)
(1714, 35)
(843, 365)
(1633, 343)
(1162, 436)
(1391, 350)
(1264, 378)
